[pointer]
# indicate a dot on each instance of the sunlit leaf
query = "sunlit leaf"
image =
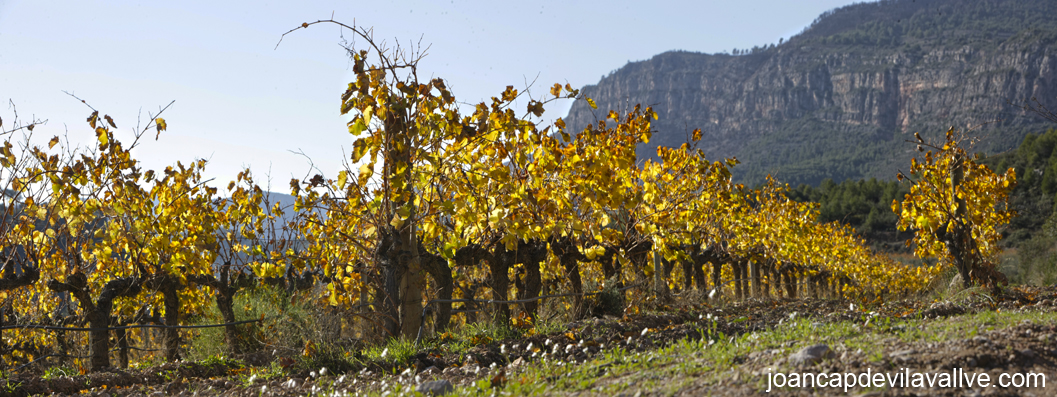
(161, 126)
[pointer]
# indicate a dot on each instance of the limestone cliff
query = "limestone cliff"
(838, 100)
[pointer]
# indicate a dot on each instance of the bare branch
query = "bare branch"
(1035, 106)
(79, 99)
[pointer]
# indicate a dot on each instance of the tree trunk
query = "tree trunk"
(772, 284)
(224, 290)
(688, 274)
(499, 282)
(529, 255)
(569, 257)
(122, 344)
(572, 273)
(225, 301)
(392, 275)
(660, 284)
(637, 251)
(956, 240)
(813, 283)
(694, 270)
(754, 267)
(412, 284)
(168, 286)
(468, 258)
(64, 347)
(740, 278)
(741, 281)
(438, 269)
(98, 313)
(717, 277)
(171, 300)
(668, 266)
(100, 339)
(700, 281)
(610, 270)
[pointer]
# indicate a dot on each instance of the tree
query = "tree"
(956, 206)
(81, 229)
(238, 225)
(401, 124)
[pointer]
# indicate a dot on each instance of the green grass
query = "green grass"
(716, 357)
(289, 324)
(273, 371)
(58, 372)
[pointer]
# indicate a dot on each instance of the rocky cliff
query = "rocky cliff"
(838, 100)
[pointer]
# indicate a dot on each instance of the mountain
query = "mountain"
(839, 99)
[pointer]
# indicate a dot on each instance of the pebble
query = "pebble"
(903, 356)
(906, 352)
(435, 388)
(811, 355)
(430, 370)
(517, 363)
(1028, 353)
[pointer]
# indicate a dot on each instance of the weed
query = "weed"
(167, 375)
(11, 387)
(395, 351)
(272, 371)
(147, 362)
(221, 360)
(58, 372)
(610, 300)
(292, 325)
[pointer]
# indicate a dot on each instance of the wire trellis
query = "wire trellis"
(426, 307)
(121, 327)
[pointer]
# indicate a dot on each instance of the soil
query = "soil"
(1026, 347)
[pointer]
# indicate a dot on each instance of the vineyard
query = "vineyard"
(438, 220)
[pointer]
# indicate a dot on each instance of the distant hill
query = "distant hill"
(837, 100)
(284, 200)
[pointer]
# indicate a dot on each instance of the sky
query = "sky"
(240, 101)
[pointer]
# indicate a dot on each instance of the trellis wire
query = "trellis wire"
(84, 329)
(425, 308)
(19, 368)
(122, 327)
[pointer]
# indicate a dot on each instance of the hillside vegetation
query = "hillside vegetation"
(866, 204)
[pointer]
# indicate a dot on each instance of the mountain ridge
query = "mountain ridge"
(837, 100)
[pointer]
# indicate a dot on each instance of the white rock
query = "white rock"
(810, 355)
(435, 388)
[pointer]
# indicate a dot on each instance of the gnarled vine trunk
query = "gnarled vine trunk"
(224, 289)
(438, 269)
(98, 312)
(570, 259)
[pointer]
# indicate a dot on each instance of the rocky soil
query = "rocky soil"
(1028, 346)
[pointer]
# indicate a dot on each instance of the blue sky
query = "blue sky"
(240, 101)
